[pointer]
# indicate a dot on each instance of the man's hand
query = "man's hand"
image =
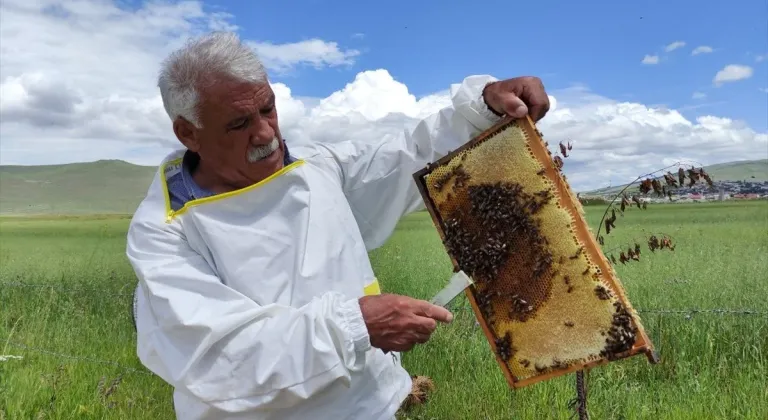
(397, 323)
(517, 97)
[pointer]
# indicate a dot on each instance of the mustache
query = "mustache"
(256, 153)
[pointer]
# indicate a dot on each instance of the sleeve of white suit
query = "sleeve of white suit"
(208, 340)
(377, 174)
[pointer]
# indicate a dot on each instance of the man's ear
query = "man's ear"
(185, 132)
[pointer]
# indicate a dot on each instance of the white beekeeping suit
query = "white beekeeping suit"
(248, 301)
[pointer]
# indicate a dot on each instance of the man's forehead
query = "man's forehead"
(239, 94)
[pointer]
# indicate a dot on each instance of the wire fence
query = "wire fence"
(59, 288)
(10, 343)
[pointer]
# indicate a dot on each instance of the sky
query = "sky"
(634, 85)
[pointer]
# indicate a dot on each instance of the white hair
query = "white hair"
(197, 65)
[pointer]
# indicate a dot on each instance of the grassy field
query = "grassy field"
(714, 365)
(115, 186)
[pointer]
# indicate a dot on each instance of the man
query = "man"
(256, 297)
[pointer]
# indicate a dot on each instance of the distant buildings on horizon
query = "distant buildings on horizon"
(723, 190)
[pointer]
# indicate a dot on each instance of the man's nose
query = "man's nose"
(262, 132)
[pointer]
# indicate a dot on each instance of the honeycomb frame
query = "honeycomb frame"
(609, 327)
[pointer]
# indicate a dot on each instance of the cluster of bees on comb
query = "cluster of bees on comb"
(500, 218)
(622, 334)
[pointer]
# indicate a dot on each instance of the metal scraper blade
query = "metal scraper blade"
(459, 282)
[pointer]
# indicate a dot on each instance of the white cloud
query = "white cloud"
(675, 45)
(761, 57)
(704, 49)
(315, 52)
(651, 59)
(699, 95)
(732, 73)
(67, 95)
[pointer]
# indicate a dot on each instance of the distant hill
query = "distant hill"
(104, 186)
(741, 170)
(115, 186)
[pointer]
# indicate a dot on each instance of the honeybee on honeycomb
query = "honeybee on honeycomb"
(548, 300)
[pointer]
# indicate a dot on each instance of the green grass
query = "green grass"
(713, 366)
(105, 186)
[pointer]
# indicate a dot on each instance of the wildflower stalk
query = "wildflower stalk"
(678, 164)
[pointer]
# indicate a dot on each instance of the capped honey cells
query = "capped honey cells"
(548, 300)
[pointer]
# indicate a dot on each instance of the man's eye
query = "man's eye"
(240, 124)
(267, 110)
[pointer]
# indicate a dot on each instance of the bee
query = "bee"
(693, 176)
(570, 289)
(504, 347)
(602, 293)
(586, 271)
(557, 364)
(525, 362)
(625, 202)
(558, 162)
(657, 187)
(646, 186)
(563, 150)
(631, 254)
(569, 324)
(577, 254)
(609, 222)
(670, 179)
(541, 172)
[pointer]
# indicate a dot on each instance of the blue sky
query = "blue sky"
(67, 95)
(429, 44)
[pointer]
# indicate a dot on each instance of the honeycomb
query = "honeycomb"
(547, 298)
